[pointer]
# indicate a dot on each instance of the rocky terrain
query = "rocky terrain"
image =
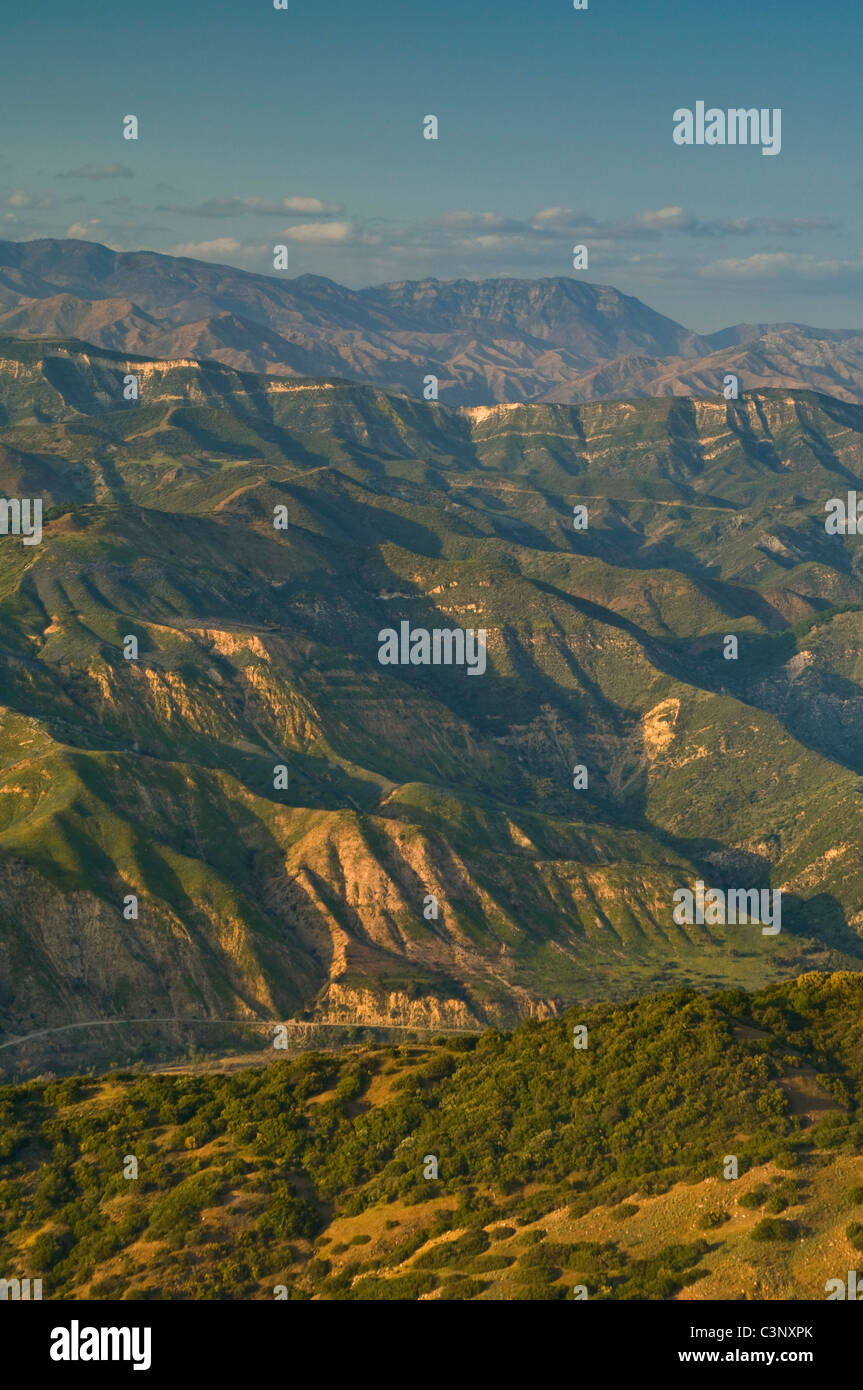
(267, 894)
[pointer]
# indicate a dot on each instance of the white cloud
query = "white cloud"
(316, 233)
(95, 230)
(771, 264)
(480, 242)
(303, 206)
(81, 230)
(553, 217)
(664, 219)
(220, 249)
(269, 207)
(20, 199)
(655, 222)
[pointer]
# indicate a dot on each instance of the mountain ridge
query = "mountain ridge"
(499, 339)
(155, 776)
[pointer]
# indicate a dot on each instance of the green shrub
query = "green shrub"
(775, 1203)
(623, 1211)
(405, 1286)
(854, 1232)
(543, 1255)
(452, 1252)
(537, 1289)
(458, 1286)
(111, 1286)
(756, 1198)
(540, 1272)
(709, 1220)
(484, 1264)
(772, 1229)
(185, 1202)
(289, 1215)
(48, 1249)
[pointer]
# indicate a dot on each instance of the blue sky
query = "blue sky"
(304, 126)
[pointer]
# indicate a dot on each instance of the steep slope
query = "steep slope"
(258, 649)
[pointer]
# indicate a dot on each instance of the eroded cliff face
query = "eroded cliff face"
(333, 929)
(341, 1004)
(374, 896)
(72, 957)
(310, 833)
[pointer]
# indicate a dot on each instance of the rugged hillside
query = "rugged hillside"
(557, 339)
(508, 1167)
(259, 649)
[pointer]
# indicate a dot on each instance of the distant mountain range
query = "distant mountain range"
(550, 340)
(259, 649)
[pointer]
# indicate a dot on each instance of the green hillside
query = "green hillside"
(516, 1166)
(259, 648)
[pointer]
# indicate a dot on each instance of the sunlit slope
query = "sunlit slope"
(257, 650)
(511, 1166)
